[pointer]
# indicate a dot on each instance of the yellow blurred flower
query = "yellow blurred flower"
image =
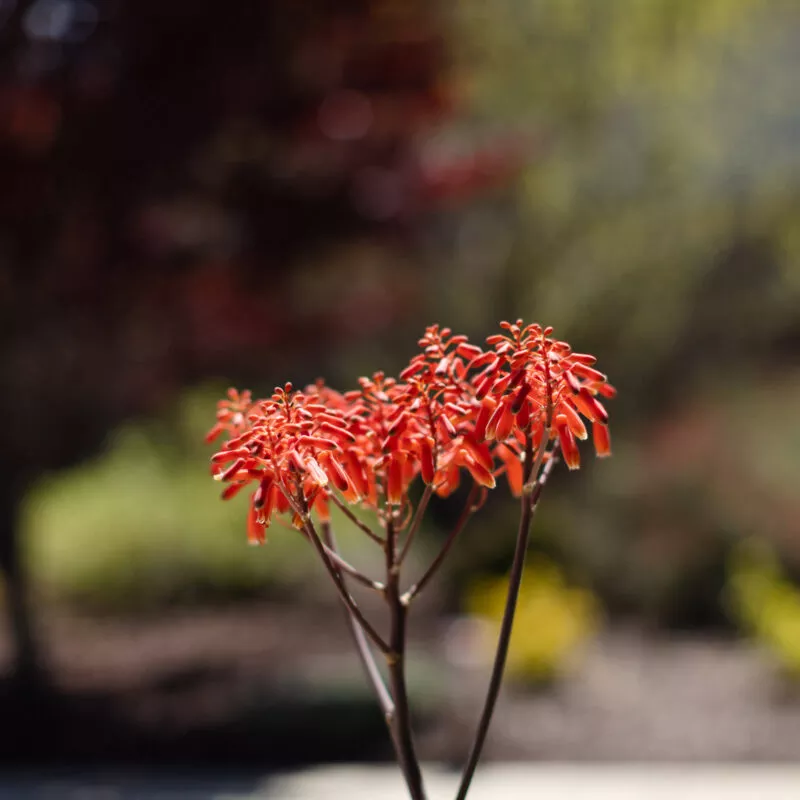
(552, 620)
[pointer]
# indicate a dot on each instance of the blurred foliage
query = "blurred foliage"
(654, 526)
(654, 223)
(766, 603)
(166, 168)
(553, 619)
(653, 220)
(143, 526)
(662, 167)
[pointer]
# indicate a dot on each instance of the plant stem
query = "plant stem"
(345, 596)
(423, 504)
(530, 496)
(542, 480)
(345, 566)
(406, 754)
(469, 509)
(362, 646)
(355, 520)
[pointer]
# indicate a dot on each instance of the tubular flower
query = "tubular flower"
(455, 407)
(530, 384)
(384, 458)
(443, 400)
(231, 414)
(284, 444)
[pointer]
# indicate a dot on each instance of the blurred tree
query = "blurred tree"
(164, 165)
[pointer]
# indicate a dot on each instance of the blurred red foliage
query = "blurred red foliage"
(164, 165)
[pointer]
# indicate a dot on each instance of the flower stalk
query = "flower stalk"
(396, 660)
(456, 411)
(528, 503)
(362, 646)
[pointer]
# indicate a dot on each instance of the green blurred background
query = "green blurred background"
(202, 194)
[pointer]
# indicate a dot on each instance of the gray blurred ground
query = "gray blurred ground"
(628, 697)
(509, 782)
(632, 697)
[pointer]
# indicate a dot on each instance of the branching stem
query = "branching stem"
(355, 520)
(362, 645)
(420, 512)
(345, 596)
(466, 513)
(345, 566)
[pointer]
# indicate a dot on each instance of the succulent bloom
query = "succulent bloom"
(534, 385)
(440, 395)
(231, 414)
(454, 408)
(283, 444)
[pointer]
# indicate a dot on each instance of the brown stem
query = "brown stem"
(345, 596)
(362, 646)
(398, 610)
(542, 480)
(530, 496)
(355, 520)
(466, 513)
(420, 512)
(345, 566)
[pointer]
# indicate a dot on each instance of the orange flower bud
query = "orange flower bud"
(297, 460)
(513, 468)
(320, 505)
(256, 531)
(587, 372)
(573, 420)
(355, 472)
(468, 350)
(228, 473)
(448, 481)
(519, 398)
(479, 451)
(589, 406)
(395, 485)
(427, 465)
(232, 490)
(445, 425)
(214, 433)
(225, 456)
(334, 471)
(607, 390)
(500, 423)
(569, 447)
(524, 416)
(317, 442)
(488, 405)
(399, 426)
(582, 358)
(483, 360)
(260, 496)
(497, 338)
(270, 504)
(412, 369)
(282, 504)
(316, 473)
(484, 385)
(601, 439)
(480, 474)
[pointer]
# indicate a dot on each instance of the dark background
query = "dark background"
(194, 194)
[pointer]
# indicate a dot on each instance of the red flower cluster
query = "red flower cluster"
(454, 407)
